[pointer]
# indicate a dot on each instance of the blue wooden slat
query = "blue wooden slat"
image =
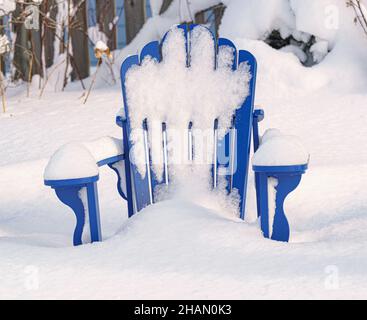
(224, 145)
(93, 211)
(191, 28)
(186, 29)
(70, 182)
(258, 117)
(181, 26)
(152, 49)
(225, 42)
(164, 126)
(263, 203)
(137, 187)
(299, 168)
(165, 154)
(110, 160)
(243, 125)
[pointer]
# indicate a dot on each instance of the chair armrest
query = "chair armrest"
(120, 120)
(73, 172)
(259, 115)
(292, 169)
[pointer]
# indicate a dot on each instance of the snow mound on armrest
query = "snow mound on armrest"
(277, 149)
(79, 160)
(71, 161)
(104, 148)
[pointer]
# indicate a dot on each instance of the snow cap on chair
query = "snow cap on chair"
(71, 161)
(277, 149)
(105, 147)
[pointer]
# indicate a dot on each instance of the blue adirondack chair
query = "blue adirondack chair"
(139, 191)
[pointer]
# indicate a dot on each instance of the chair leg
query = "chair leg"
(70, 197)
(262, 201)
(286, 184)
(93, 212)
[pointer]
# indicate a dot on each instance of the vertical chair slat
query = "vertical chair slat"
(93, 211)
(243, 125)
(165, 153)
(152, 50)
(165, 132)
(137, 187)
(225, 159)
(205, 60)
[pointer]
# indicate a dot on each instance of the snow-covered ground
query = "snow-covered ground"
(176, 249)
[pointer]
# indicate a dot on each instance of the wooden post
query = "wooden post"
(28, 47)
(79, 38)
(36, 49)
(21, 49)
(106, 13)
(2, 70)
(134, 17)
(2, 60)
(49, 10)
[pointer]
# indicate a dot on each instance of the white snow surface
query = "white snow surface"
(179, 249)
(277, 149)
(72, 161)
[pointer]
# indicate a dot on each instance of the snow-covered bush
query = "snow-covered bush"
(309, 29)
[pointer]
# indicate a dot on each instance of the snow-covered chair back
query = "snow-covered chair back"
(188, 81)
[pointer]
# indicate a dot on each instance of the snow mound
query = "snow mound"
(277, 149)
(105, 147)
(79, 160)
(71, 161)
(329, 22)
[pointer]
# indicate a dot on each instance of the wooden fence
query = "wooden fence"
(34, 50)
